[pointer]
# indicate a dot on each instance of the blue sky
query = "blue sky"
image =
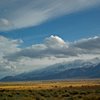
(70, 27)
(38, 33)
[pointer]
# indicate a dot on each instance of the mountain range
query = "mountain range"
(77, 69)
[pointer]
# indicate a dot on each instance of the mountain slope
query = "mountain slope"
(87, 72)
(60, 71)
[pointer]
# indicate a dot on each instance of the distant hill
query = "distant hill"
(75, 70)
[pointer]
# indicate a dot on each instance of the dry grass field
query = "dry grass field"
(51, 90)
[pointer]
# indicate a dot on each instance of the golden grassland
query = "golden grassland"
(51, 90)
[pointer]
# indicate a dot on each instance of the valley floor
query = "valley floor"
(51, 90)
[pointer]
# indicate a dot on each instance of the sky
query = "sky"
(38, 33)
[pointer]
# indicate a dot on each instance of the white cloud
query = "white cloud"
(7, 47)
(91, 45)
(5, 24)
(25, 13)
(6, 66)
(56, 47)
(52, 46)
(55, 42)
(14, 59)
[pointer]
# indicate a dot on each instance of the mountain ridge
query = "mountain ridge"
(60, 71)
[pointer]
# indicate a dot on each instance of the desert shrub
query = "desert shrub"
(73, 92)
(97, 91)
(70, 86)
(2, 90)
(82, 93)
(10, 95)
(30, 90)
(38, 97)
(65, 95)
(55, 94)
(70, 98)
(44, 93)
(1, 95)
(91, 97)
(65, 90)
(79, 96)
(18, 93)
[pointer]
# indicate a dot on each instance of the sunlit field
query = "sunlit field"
(51, 90)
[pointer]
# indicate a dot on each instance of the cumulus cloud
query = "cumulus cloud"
(6, 66)
(90, 45)
(57, 47)
(7, 47)
(52, 46)
(25, 13)
(55, 42)
(14, 59)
